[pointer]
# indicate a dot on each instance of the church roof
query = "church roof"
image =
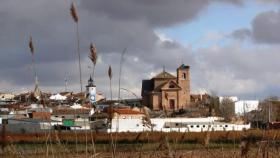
(166, 84)
(164, 74)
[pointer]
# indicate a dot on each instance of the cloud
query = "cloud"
(265, 29)
(156, 13)
(232, 70)
(241, 34)
(113, 26)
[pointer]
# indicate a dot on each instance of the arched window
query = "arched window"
(184, 76)
(171, 86)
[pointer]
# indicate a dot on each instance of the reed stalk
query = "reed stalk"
(75, 17)
(74, 14)
(110, 74)
(93, 58)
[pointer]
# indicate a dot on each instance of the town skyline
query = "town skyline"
(232, 47)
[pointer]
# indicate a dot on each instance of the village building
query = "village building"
(168, 92)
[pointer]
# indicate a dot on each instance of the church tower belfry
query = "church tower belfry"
(183, 80)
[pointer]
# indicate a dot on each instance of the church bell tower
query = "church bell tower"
(91, 91)
(183, 80)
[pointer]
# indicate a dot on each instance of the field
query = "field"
(252, 143)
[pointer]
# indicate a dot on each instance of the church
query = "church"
(166, 91)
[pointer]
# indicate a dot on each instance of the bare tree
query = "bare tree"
(270, 109)
(227, 109)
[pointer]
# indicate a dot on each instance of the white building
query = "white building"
(245, 106)
(6, 96)
(242, 106)
(232, 98)
(132, 121)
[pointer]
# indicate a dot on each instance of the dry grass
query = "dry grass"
(252, 143)
(195, 137)
(151, 150)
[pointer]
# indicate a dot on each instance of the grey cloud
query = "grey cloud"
(266, 27)
(112, 26)
(231, 70)
(241, 34)
(155, 13)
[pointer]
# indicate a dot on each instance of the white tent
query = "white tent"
(58, 97)
(77, 106)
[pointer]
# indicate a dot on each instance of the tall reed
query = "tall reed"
(74, 14)
(32, 51)
(110, 75)
(93, 58)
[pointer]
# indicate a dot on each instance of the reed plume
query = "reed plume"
(74, 14)
(110, 74)
(93, 54)
(32, 50)
(93, 57)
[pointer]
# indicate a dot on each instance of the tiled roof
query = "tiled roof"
(127, 112)
(176, 86)
(41, 115)
(70, 111)
(164, 74)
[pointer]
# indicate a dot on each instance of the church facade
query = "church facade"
(168, 92)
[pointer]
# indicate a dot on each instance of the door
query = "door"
(172, 104)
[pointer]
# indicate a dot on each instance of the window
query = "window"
(191, 126)
(197, 126)
(203, 126)
(184, 76)
(171, 86)
(176, 124)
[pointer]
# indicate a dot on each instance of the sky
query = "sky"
(232, 46)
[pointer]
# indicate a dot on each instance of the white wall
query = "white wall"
(232, 98)
(194, 125)
(244, 106)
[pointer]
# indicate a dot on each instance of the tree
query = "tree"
(270, 109)
(227, 109)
